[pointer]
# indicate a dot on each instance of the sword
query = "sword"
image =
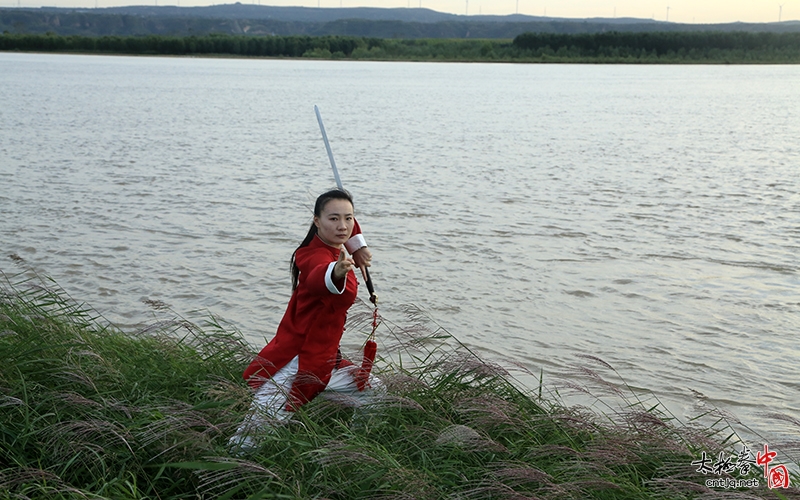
(328, 148)
(372, 297)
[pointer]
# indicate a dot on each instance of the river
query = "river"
(648, 216)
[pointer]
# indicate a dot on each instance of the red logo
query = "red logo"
(777, 476)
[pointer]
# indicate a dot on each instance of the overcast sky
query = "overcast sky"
(683, 11)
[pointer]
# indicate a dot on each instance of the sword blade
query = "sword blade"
(328, 148)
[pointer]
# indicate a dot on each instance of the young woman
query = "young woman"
(303, 358)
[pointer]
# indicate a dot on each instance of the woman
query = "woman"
(303, 358)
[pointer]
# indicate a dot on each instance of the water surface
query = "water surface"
(646, 215)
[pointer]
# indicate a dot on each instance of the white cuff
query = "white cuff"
(329, 280)
(355, 243)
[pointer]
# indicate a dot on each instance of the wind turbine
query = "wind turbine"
(667, 14)
(517, 6)
(780, 11)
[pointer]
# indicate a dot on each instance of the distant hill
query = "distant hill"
(253, 19)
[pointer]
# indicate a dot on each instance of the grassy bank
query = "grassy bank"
(88, 411)
(613, 48)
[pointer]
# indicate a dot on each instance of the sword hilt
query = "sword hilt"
(373, 297)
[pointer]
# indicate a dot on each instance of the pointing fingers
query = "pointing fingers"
(343, 266)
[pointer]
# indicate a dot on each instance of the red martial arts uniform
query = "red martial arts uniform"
(312, 325)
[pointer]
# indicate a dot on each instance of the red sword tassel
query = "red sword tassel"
(370, 350)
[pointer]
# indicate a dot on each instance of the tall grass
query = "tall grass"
(88, 411)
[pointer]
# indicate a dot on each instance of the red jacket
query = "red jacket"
(311, 327)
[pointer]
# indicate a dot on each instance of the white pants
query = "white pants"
(270, 399)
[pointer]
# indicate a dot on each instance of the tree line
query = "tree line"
(264, 46)
(659, 47)
(665, 44)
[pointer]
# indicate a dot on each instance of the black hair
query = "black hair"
(322, 200)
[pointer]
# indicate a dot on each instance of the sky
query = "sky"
(682, 11)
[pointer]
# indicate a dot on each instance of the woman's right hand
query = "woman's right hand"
(343, 266)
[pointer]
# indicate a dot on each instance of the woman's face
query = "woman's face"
(335, 223)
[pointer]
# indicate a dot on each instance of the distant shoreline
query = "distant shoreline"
(528, 48)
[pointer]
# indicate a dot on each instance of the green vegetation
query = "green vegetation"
(658, 47)
(87, 411)
(733, 47)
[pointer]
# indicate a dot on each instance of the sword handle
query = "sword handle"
(372, 297)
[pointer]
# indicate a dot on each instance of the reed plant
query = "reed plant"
(90, 411)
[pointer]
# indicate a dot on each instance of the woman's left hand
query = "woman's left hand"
(362, 257)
